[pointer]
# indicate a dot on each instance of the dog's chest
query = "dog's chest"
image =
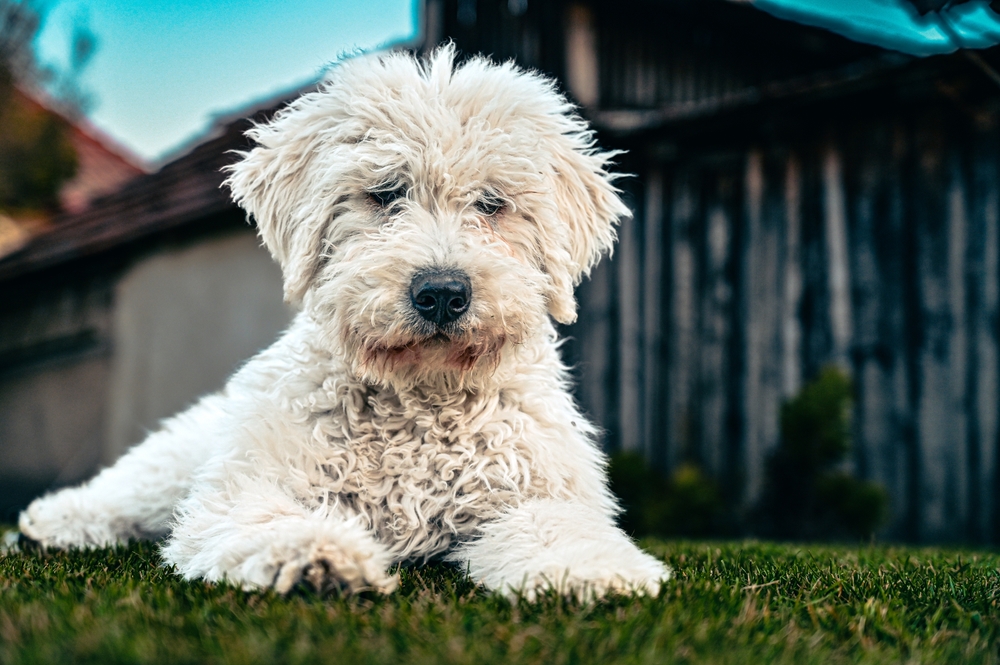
(422, 473)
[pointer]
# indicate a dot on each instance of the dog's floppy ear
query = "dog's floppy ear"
(271, 182)
(588, 205)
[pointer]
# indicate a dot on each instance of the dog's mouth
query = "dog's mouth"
(440, 350)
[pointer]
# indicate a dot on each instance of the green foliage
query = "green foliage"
(686, 503)
(805, 496)
(858, 507)
(20, 22)
(729, 603)
(816, 423)
(36, 157)
(36, 152)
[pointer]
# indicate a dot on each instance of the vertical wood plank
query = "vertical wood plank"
(814, 312)
(593, 336)
(897, 463)
(835, 227)
(683, 338)
(628, 262)
(956, 496)
(716, 302)
(872, 226)
(653, 437)
(582, 68)
(791, 325)
(762, 267)
(908, 326)
(753, 267)
(934, 413)
(983, 289)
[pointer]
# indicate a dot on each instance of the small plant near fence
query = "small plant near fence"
(807, 492)
(686, 503)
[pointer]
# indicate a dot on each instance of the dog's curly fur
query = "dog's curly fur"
(369, 434)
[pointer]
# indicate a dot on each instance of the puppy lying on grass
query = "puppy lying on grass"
(431, 219)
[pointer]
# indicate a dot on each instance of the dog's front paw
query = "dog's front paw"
(329, 568)
(15, 541)
(63, 520)
(643, 577)
(549, 545)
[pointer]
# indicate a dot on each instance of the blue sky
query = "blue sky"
(164, 68)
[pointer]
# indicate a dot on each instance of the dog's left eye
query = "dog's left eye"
(489, 205)
(386, 197)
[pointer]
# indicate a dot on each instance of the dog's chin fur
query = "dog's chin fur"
(374, 431)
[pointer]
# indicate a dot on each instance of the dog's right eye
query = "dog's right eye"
(386, 197)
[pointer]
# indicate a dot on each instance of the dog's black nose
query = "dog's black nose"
(441, 296)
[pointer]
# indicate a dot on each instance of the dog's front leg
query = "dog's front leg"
(254, 534)
(562, 545)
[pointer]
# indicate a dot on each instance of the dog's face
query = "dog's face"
(429, 215)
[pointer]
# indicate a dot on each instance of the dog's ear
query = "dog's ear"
(588, 207)
(272, 183)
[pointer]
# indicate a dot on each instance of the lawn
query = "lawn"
(732, 602)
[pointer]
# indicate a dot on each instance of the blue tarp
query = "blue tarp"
(894, 24)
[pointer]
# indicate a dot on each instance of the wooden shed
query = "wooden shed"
(800, 199)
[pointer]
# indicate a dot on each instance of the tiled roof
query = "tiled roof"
(102, 168)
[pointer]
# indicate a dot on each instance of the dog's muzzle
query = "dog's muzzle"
(441, 296)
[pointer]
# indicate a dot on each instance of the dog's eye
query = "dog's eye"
(489, 205)
(386, 197)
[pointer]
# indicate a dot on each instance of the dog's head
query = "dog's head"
(429, 214)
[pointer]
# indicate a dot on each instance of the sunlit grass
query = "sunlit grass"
(729, 603)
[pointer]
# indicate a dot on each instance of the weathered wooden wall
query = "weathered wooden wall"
(872, 243)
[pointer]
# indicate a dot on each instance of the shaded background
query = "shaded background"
(802, 200)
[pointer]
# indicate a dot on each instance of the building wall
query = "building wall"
(86, 369)
(867, 242)
(183, 321)
(54, 352)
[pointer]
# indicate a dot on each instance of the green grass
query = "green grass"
(730, 603)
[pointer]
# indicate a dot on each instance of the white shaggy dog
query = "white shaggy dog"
(430, 218)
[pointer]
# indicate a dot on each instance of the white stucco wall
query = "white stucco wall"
(183, 321)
